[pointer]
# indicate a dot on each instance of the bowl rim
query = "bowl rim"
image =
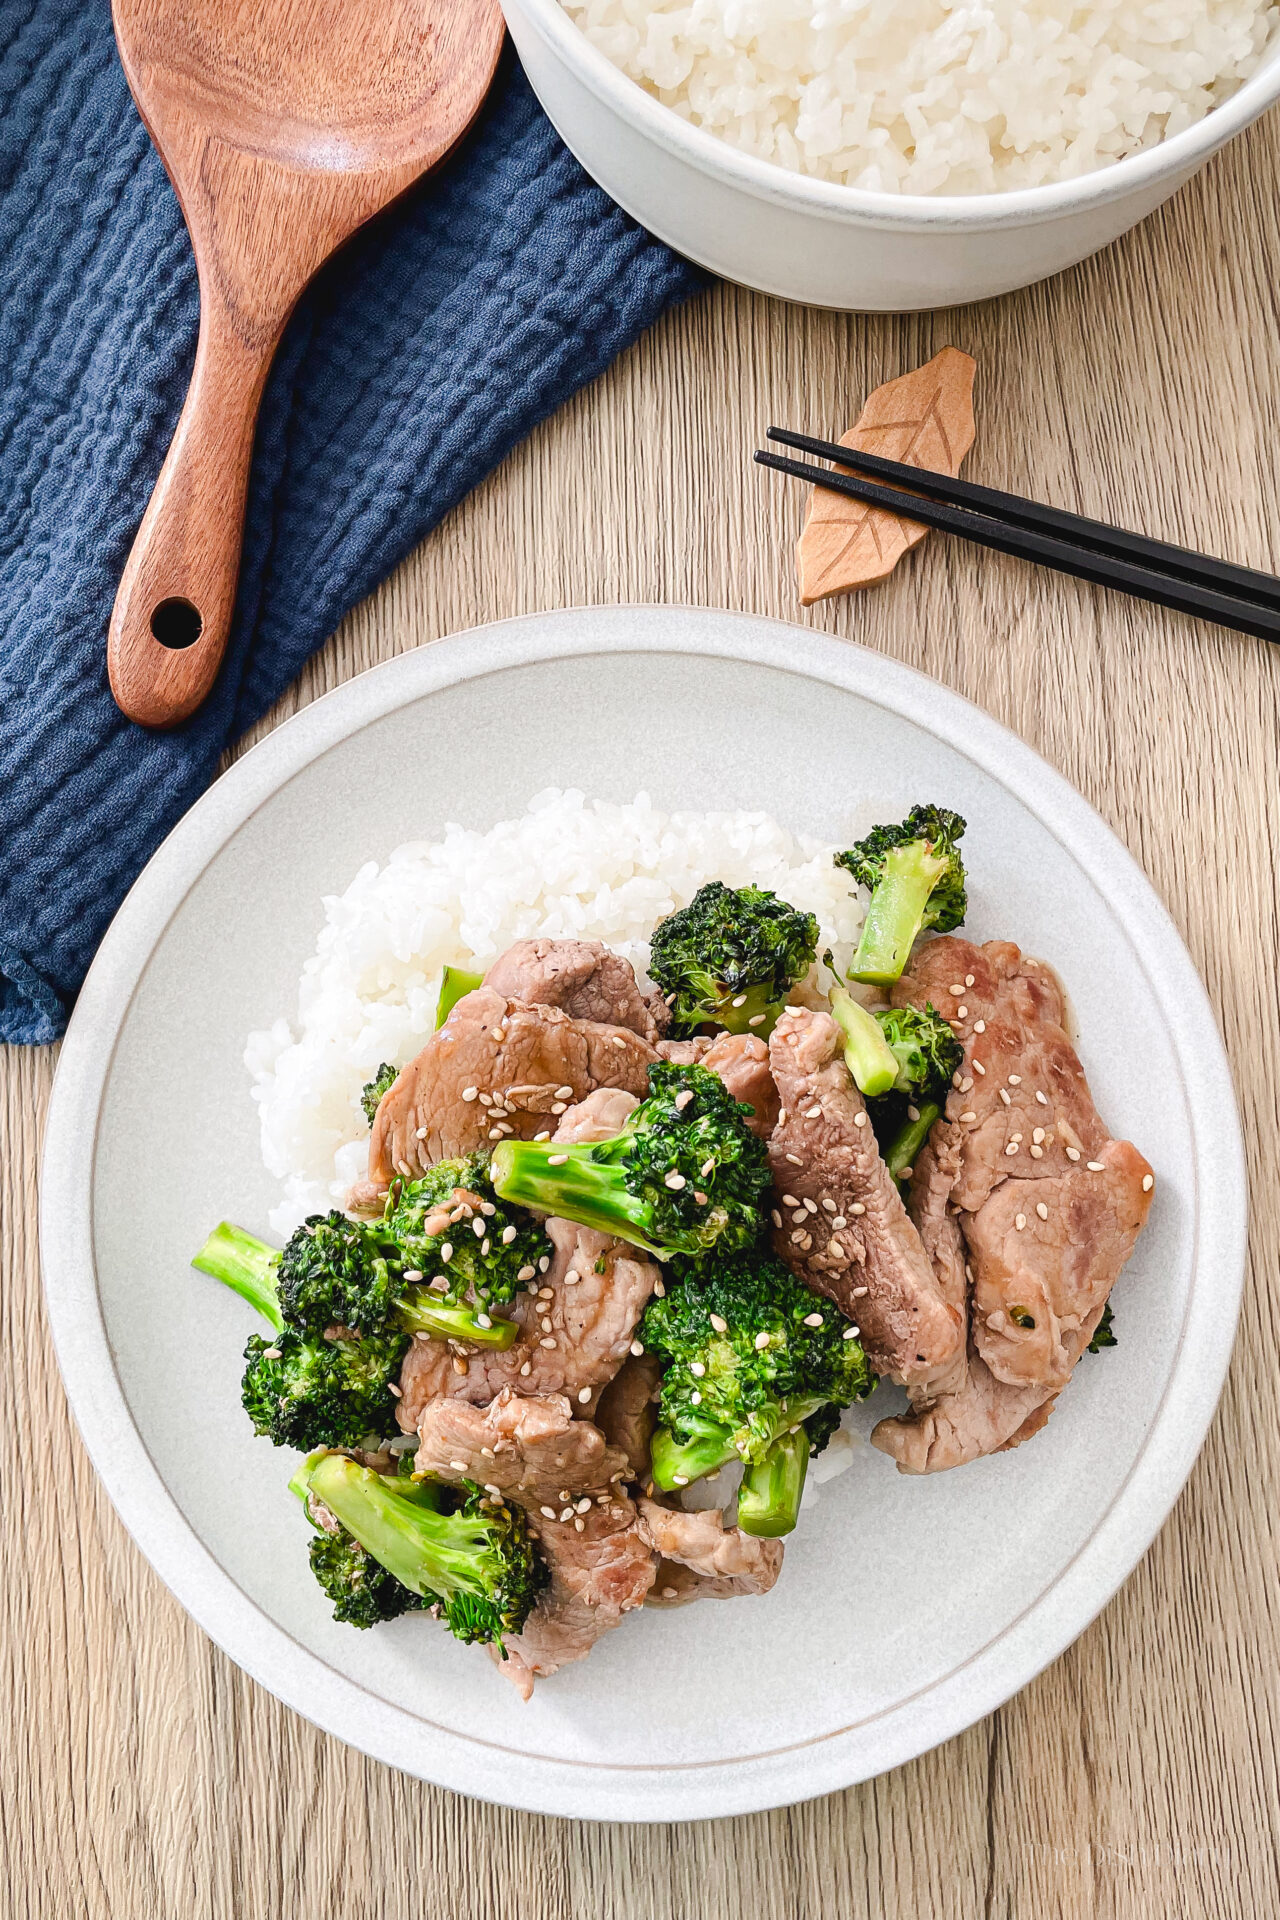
(342, 1705)
(971, 212)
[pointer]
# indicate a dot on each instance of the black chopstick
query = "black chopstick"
(1164, 588)
(1095, 535)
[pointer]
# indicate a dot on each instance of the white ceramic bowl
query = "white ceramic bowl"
(829, 245)
(906, 1608)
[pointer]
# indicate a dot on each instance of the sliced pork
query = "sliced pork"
(702, 1559)
(853, 1240)
(585, 979)
(601, 1566)
(497, 1069)
(627, 1410)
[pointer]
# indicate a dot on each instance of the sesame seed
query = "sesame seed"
(508, 1235)
(1012, 1148)
(782, 1116)
(996, 1321)
(542, 1136)
(439, 1283)
(906, 1173)
(859, 1293)
(527, 1368)
(968, 1114)
(477, 1227)
(1072, 1153)
(962, 1013)
(965, 1085)
(413, 1275)
(659, 1290)
(483, 1320)
(584, 1394)
(676, 1182)
(579, 1526)
(459, 1364)
(1004, 1096)
(557, 1159)
(700, 1197)
(271, 1353)
(1015, 1079)
(757, 1020)
(859, 1119)
(469, 1093)
(1094, 1166)
(544, 1263)
(838, 1221)
(968, 979)
(813, 1320)
(486, 1099)
(547, 1342)
(795, 1160)
(721, 1326)
(1038, 1135)
(957, 989)
(499, 1033)
(572, 1278)
(526, 1273)
(813, 1113)
(1148, 1181)
(683, 1098)
(680, 1479)
(810, 1206)
(584, 1505)
(1042, 1210)
(564, 1093)
(762, 1341)
(668, 1593)
(797, 1237)
(857, 1207)
(739, 1000)
(567, 1514)
(446, 1252)
(546, 1293)
(913, 1113)
(696, 1367)
(1037, 1153)
(1019, 1221)
(979, 1026)
(978, 1068)
(637, 1348)
(548, 1513)
(559, 1106)
(421, 1134)
(458, 1466)
(545, 1324)
(775, 1216)
(851, 1333)
(789, 1200)
(616, 1040)
(1042, 1098)
(695, 1398)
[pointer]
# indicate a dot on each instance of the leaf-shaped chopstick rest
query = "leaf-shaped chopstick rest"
(924, 419)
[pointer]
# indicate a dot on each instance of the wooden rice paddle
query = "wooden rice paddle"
(284, 125)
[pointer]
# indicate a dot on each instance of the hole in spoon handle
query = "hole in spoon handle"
(173, 610)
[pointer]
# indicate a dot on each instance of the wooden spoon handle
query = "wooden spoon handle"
(173, 609)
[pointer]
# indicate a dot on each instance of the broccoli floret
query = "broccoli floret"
(363, 1593)
(925, 1048)
(867, 1053)
(371, 1097)
(686, 1173)
(452, 1200)
(917, 882)
(730, 958)
(769, 1496)
(456, 1551)
(301, 1390)
(750, 1354)
(1103, 1333)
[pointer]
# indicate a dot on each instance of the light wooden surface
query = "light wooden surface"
(141, 1774)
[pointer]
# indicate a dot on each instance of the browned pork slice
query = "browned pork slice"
(742, 1062)
(601, 1566)
(627, 1410)
(570, 1482)
(1049, 1207)
(852, 1240)
(702, 1559)
(582, 977)
(496, 1069)
(576, 1327)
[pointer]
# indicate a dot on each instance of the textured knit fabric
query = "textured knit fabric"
(428, 348)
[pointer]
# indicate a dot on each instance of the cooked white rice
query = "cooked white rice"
(935, 96)
(567, 866)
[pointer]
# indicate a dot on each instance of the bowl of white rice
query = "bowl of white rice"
(892, 155)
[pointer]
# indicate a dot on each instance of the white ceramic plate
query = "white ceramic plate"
(907, 1608)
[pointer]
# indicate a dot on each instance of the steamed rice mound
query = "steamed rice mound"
(935, 96)
(566, 867)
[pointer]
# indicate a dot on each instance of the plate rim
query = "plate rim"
(593, 1789)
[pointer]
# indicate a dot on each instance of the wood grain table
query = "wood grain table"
(142, 1775)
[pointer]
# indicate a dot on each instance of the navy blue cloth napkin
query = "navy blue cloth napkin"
(420, 357)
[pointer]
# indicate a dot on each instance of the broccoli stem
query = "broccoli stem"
(569, 1182)
(674, 1463)
(867, 1053)
(245, 1264)
(896, 913)
(417, 1312)
(900, 1154)
(769, 1497)
(755, 1000)
(427, 1551)
(455, 984)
